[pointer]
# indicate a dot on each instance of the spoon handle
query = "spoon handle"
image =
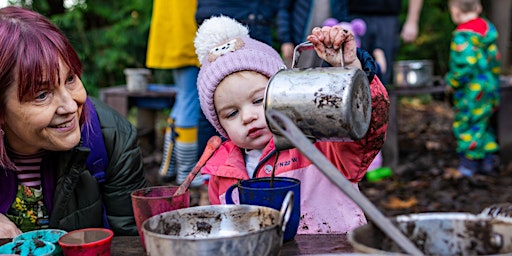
(211, 146)
(288, 129)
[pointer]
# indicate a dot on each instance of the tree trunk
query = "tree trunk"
(499, 13)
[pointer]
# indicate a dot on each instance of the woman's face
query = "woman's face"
(50, 121)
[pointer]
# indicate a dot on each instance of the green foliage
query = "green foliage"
(434, 37)
(109, 36)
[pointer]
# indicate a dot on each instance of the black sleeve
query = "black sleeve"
(368, 63)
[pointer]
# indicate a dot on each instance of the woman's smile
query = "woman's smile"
(66, 126)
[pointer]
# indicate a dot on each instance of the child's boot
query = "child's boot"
(167, 169)
(185, 149)
(468, 167)
(489, 165)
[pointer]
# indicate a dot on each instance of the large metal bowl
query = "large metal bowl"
(218, 230)
(412, 73)
(439, 234)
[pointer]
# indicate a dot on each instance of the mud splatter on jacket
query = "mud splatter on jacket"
(324, 207)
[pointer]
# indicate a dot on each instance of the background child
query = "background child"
(474, 78)
(231, 84)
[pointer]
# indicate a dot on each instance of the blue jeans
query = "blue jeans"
(186, 109)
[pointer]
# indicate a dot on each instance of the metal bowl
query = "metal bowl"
(439, 234)
(217, 230)
(412, 73)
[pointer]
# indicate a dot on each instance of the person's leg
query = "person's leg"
(388, 41)
(180, 151)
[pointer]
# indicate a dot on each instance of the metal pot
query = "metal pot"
(218, 230)
(439, 234)
(326, 103)
(413, 73)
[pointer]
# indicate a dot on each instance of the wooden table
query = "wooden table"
(120, 99)
(301, 245)
(148, 103)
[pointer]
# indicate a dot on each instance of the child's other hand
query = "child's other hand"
(329, 40)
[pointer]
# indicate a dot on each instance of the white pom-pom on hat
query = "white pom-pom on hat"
(217, 30)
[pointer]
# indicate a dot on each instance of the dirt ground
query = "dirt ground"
(425, 179)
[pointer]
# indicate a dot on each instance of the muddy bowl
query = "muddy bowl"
(217, 230)
(439, 234)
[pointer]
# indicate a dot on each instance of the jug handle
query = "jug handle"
(286, 210)
(305, 46)
(229, 192)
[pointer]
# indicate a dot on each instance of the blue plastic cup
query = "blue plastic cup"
(263, 192)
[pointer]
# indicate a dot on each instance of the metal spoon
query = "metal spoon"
(289, 130)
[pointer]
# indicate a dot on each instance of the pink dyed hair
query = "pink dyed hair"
(30, 49)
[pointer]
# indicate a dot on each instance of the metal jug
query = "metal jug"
(326, 103)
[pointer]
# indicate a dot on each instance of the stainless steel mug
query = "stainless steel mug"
(326, 103)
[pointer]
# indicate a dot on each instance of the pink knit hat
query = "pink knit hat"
(223, 47)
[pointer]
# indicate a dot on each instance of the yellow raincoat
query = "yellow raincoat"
(171, 36)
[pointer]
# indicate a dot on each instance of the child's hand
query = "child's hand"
(329, 40)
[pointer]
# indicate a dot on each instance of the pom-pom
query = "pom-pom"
(358, 26)
(330, 22)
(217, 30)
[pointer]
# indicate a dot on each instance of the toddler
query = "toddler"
(473, 77)
(231, 84)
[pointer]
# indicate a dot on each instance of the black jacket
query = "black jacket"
(73, 196)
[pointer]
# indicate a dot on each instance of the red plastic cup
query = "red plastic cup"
(87, 242)
(148, 202)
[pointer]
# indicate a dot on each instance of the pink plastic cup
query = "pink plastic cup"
(87, 242)
(148, 202)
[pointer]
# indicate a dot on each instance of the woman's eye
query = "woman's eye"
(42, 95)
(70, 79)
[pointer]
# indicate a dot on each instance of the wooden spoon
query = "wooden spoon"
(211, 146)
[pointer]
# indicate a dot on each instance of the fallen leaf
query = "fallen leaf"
(396, 203)
(433, 145)
(451, 173)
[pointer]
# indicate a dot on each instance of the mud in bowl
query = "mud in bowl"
(270, 192)
(148, 202)
(218, 230)
(28, 247)
(48, 235)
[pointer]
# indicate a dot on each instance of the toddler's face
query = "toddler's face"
(239, 106)
(455, 13)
